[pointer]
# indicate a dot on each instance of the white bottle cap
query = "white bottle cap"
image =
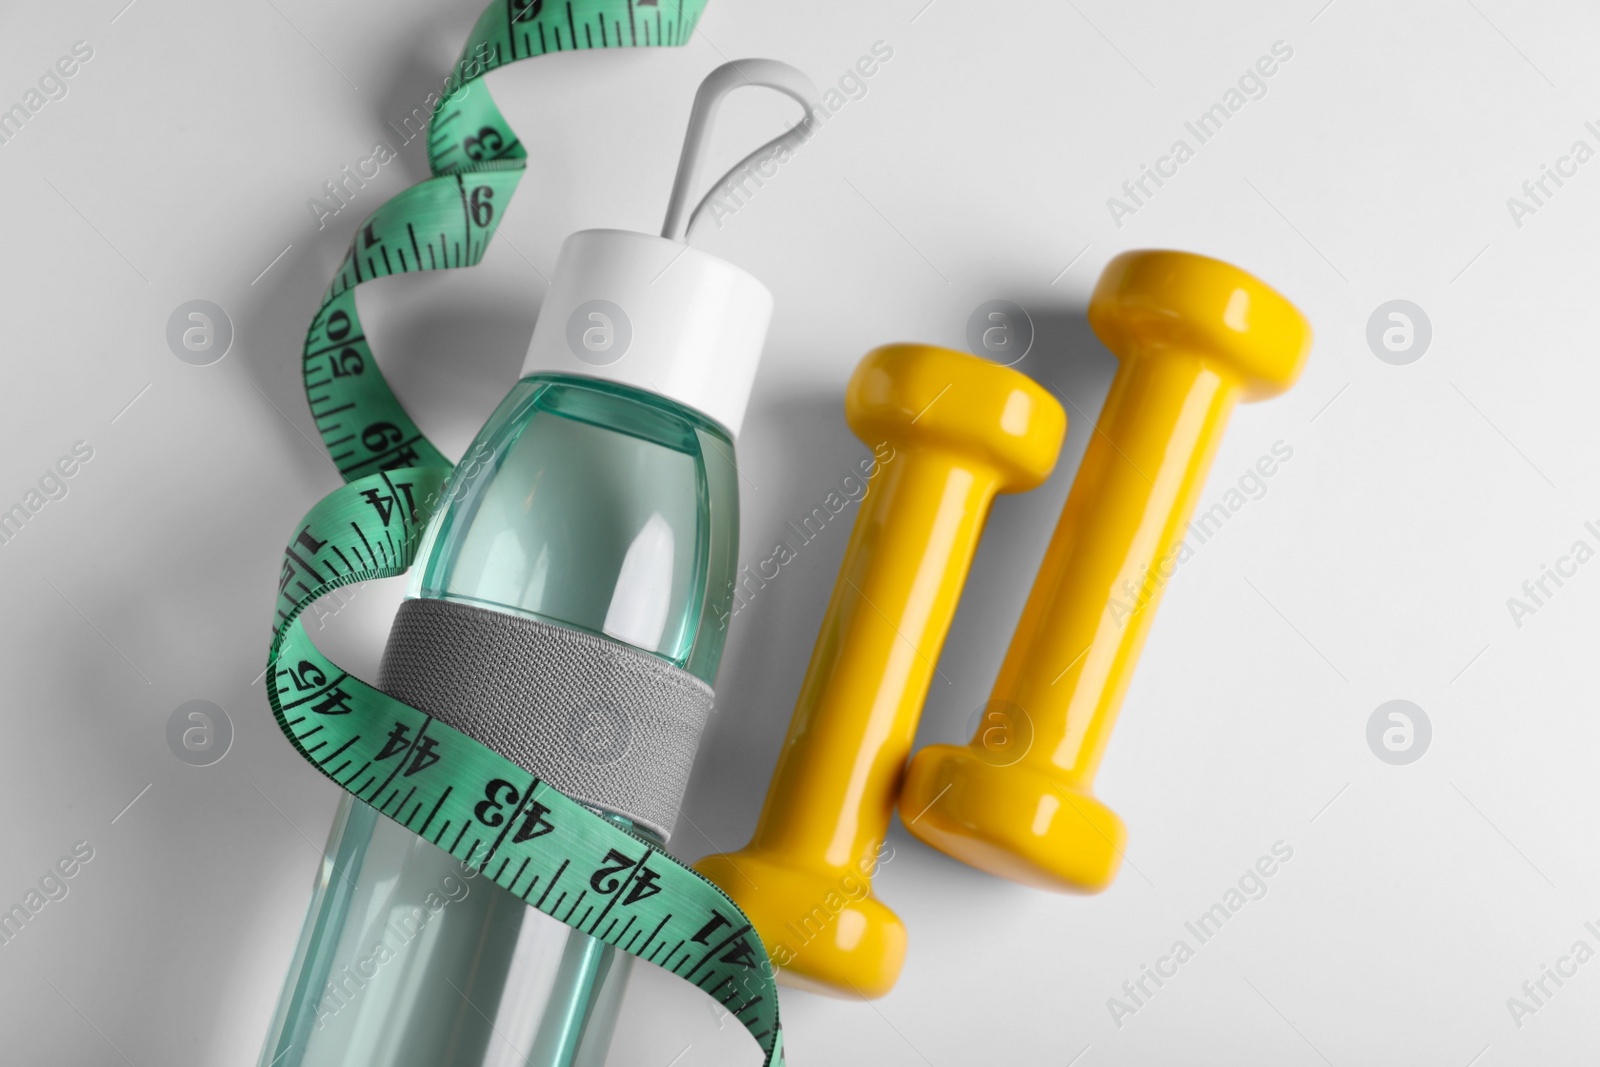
(655, 313)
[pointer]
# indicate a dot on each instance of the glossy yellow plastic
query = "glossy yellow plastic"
(950, 430)
(1194, 336)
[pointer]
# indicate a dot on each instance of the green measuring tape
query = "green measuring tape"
(524, 835)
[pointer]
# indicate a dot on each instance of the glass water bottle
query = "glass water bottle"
(567, 608)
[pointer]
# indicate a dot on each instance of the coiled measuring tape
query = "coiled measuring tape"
(485, 810)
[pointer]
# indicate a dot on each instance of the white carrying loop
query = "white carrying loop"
(767, 73)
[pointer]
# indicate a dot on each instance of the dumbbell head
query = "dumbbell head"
(919, 396)
(821, 925)
(1020, 822)
(1154, 301)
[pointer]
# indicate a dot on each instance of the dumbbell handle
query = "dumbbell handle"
(856, 716)
(1074, 650)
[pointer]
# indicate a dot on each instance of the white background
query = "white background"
(977, 166)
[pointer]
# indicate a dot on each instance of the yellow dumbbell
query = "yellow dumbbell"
(962, 429)
(1194, 336)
